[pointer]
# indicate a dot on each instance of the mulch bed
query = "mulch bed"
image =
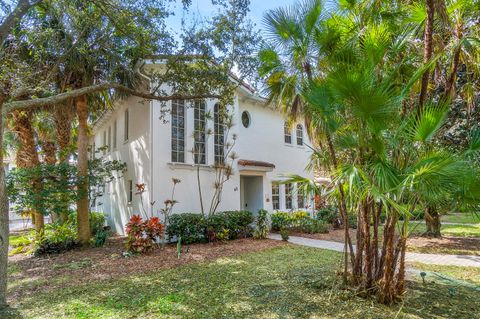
(107, 262)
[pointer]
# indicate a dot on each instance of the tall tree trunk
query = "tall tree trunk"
(27, 157)
(63, 116)
(432, 221)
(83, 218)
(4, 223)
(428, 48)
(450, 86)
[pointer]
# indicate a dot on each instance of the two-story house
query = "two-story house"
(158, 147)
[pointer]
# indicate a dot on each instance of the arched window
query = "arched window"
(299, 134)
(219, 133)
(178, 131)
(287, 134)
(199, 127)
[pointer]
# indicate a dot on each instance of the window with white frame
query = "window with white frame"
(178, 131)
(300, 195)
(288, 196)
(114, 141)
(276, 196)
(299, 134)
(287, 134)
(126, 126)
(199, 132)
(219, 134)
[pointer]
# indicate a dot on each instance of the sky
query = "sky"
(203, 9)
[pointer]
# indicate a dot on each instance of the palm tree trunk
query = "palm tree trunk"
(428, 48)
(63, 117)
(27, 157)
(4, 224)
(432, 221)
(83, 218)
(450, 86)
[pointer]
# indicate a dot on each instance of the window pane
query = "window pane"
(199, 132)
(219, 137)
(288, 196)
(178, 131)
(276, 196)
(287, 135)
(299, 135)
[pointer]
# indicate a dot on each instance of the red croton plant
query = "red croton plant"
(142, 235)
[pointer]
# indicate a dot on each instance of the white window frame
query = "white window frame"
(179, 141)
(287, 134)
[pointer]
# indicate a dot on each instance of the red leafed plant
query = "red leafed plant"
(142, 235)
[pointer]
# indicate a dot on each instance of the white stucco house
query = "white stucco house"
(157, 149)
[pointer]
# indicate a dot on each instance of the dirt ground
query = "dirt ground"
(108, 262)
(444, 245)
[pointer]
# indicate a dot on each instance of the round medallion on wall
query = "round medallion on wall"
(246, 119)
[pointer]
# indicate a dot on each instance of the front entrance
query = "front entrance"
(251, 193)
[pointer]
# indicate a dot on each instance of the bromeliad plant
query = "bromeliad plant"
(143, 235)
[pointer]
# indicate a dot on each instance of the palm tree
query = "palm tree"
(290, 62)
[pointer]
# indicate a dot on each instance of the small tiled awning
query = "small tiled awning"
(255, 165)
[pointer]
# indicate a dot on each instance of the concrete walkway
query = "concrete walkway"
(435, 259)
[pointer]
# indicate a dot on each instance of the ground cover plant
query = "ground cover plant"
(269, 283)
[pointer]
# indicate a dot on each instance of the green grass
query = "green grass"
(448, 230)
(19, 240)
(467, 274)
(464, 218)
(285, 282)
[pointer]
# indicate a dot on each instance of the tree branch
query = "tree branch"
(20, 10)
(62, 97)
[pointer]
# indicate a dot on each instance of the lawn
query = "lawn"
(464, 218)
(470, 275)
(418, 228)
(281, 282)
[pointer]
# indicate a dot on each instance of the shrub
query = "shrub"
(195, 228)
(352, 220)
(142, 235)
(57, 238)
(329, 214)
(100, 238)
(280, 220)
(261, 229)
(285, 234)
(314, 226)
(97, 221)
(190, 227)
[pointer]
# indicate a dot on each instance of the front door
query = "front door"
(251, 193)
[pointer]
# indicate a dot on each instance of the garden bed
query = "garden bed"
(30, 274)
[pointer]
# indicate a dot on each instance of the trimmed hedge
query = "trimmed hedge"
(195, 228)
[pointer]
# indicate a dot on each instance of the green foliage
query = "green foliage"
(194, 228)
(97, 221)
(58, 185)
(100, 238)
(314, 226)
(329, 214)
(56, 238)
(280, 220)
(261, 227)
(285, 234)
(189, 226)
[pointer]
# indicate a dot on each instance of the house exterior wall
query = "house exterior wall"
(134, 151)
(148, 157)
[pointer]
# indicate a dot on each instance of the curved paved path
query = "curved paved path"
(435, 259)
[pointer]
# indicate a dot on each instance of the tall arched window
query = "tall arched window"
(199, 127)
(299, 134)
(219, 133)
(178, 131)
(287, 134)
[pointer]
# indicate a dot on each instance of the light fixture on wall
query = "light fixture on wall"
(235, 189)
